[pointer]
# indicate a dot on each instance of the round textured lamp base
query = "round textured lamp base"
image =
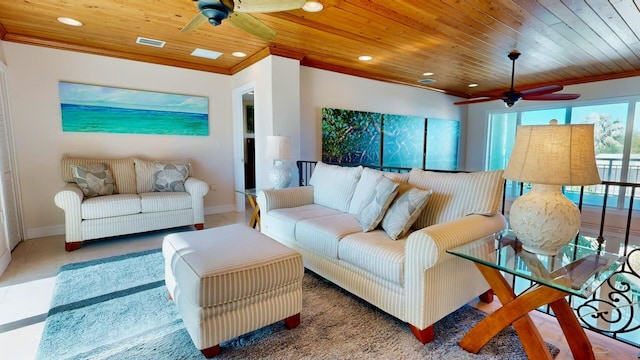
(544, 220)
(280, 176)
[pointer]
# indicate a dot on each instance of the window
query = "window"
(616, 142)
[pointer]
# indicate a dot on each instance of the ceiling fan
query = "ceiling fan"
(511, 96)
(237, 12)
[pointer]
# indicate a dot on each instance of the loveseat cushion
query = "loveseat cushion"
(375, 253)
(123, 171)
(322, 234)
(283, 221)
(164, 201)
(455, 195)
(110, 205)
(333, 186)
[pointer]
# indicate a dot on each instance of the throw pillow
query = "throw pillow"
(374, 207)
(170, 177)
(404, 211)
(94, 180)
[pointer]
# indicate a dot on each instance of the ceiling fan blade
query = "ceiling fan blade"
(195, 22)
(541, 90)
(252, 25)
(473, 101)
(265, 6)
(552, 97)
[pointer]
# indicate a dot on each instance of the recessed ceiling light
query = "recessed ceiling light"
(312, 6)
(69, 21)
(473, 85)
(207, 54)
(365, 58)
(238, 54)
(427, 74)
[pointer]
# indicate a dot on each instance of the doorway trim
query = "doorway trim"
(238, 140)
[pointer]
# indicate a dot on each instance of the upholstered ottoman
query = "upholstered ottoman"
(231, 280)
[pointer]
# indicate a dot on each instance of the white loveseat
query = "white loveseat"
(411, 278)
(133, 196)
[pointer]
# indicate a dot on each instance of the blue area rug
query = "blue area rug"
(118, 308)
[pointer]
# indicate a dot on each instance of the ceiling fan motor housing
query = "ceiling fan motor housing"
(215, 11)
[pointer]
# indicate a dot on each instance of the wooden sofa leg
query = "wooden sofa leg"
(487, 296)
(292, 321)
(199, 226)
(72, 246)
(425, 335)
(211, 352)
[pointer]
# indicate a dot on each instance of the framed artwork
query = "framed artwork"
(102, 109)
(357, 137)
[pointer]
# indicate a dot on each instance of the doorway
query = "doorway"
(249, 141)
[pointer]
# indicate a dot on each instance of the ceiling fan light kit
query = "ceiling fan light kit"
(237, 12)
(512, 96)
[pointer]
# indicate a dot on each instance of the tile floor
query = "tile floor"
(27, 284)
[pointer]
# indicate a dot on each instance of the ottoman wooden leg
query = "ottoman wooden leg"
(292, 321)
(211, 352)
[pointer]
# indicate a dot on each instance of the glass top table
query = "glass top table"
(576, 270)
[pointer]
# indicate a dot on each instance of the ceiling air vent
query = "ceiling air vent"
(150, 42)
(426, 81)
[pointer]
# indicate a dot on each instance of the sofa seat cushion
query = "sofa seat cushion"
(110, 205)
(376, 253)
(322, 234)
(282, 223)
(165, 201)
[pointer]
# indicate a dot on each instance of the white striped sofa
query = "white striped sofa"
(411, 278)
(133, 208)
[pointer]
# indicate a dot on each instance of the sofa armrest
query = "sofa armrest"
(285, 198)
(69, 199)
(197, 189)
(427, 247)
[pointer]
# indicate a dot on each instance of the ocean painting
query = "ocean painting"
(91, 108)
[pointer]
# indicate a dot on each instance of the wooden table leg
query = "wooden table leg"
(577, 339)
(515, 312)
(255, 216)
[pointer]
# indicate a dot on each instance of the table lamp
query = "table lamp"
(279, 149)
(549, 156)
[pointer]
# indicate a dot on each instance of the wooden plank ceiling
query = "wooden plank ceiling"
(460, 42)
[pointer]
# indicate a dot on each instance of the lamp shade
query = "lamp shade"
(554, 155)
(278, 147)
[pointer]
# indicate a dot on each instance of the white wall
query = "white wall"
(320, 88)
(478, 124)
(2, 58)
(33, 76)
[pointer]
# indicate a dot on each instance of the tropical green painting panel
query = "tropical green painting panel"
(357, 137)
(442, 144)
(350, 137)
(403, 141)
(91, 108)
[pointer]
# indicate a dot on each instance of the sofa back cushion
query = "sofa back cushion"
(333, 186)
(122, 170)
(455, 195)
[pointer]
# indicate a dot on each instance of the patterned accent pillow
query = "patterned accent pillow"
(94, 180)
(404, 211)
(170, 177)
(377, 203)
